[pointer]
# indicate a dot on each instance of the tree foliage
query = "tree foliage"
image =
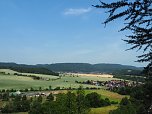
(137, 16)
(62, 103)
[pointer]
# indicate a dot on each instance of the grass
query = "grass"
(103, 110)
(8, 71)
(108, 94)
(20, 82)
(112, 96)
(39, 75)
(21, 113)
(104, 94)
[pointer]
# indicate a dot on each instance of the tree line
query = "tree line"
(62, 103)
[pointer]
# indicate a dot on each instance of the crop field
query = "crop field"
(94, 75)
(12, 81)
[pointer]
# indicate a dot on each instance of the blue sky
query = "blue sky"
(54, 31)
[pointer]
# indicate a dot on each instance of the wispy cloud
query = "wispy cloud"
(78, 11)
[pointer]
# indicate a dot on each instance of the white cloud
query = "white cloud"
(79, 11)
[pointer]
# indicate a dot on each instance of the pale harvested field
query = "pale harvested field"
(95, 75)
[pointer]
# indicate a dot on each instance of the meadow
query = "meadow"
(103, 110)
(107, 94)
(12, 81)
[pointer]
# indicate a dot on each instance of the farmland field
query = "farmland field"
(12, 81)
(39, 75)
(95, 75)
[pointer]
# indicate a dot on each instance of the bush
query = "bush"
(57, 88)
(114, 102)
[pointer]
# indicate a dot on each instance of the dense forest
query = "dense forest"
(98, 68)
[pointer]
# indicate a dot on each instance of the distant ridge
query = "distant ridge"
(23, 68)
(88, 68)
(74, 67)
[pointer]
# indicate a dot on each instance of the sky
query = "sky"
(58, 31)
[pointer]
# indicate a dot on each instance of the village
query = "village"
(112, 84)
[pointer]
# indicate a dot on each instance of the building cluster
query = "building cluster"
(35, 94)
(111, 84)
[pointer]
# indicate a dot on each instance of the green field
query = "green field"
(107, 94)
(103, 110)
(39, 75)
(20, 82)
(21, 113)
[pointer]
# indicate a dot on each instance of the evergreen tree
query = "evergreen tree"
(137, 18)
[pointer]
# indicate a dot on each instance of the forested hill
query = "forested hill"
(73, 67)
(27, 68)
(87, 68)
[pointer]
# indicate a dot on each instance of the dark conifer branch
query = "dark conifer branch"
(137, 16)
